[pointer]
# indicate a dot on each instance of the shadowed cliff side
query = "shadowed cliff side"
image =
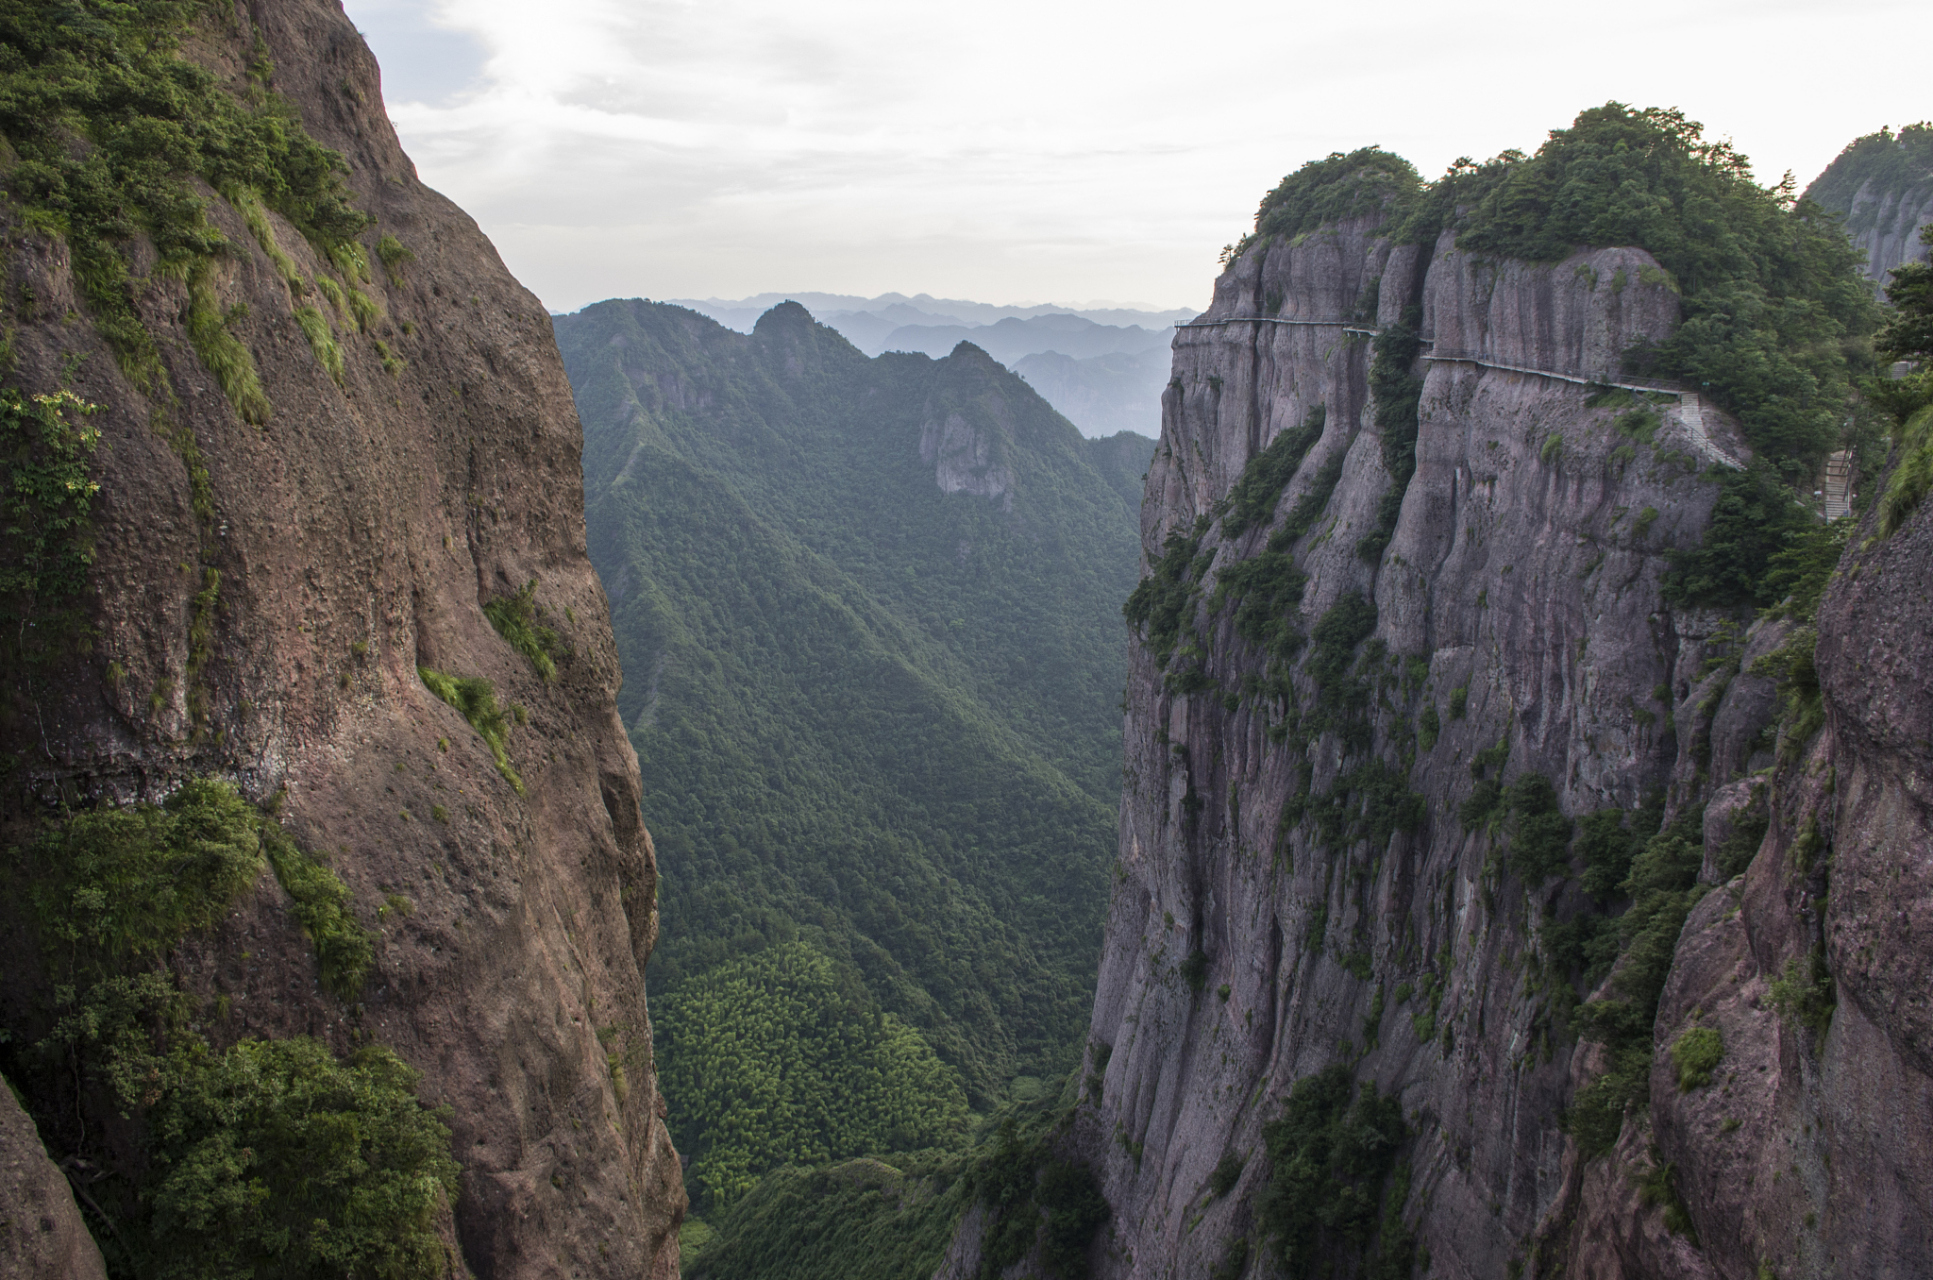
(1800, 1148)
(268, 567)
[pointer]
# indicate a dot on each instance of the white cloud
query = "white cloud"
(1031, 149)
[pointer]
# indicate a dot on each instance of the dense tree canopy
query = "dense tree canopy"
(769, 1061)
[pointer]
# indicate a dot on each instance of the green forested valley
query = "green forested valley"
(877, 721)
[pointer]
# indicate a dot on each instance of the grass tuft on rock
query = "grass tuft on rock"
(476, 699)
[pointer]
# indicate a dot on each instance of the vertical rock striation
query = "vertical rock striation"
(1882, 185)
(1807, 1155)
(1295, 888)
(265, 623)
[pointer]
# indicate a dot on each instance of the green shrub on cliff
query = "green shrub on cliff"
(1335, 189)
(1333, 1174)
(112, 130)
(1034, 1198)
(1804, 992)
(47, 495)
(1662, 888)
(1696, 1054)
(1755, 518)
(1164, 600)
(1912, 477)
(110, 886)
(268, 1158)
(276, 1159)
(1776, 313)
(1539, 834)
(1258, 489)
(1397, 391)
(476, 699)
(1267, 587)
(515, 618)
(343, 948)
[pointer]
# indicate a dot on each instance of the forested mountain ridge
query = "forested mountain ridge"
(869, 612)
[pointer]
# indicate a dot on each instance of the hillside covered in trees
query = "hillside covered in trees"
(868, 611)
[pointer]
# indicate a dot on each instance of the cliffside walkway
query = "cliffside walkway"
(1690, 406)
(1461, 357)
(1347, 326)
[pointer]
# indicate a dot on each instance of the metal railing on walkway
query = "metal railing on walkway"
(1692, 407)
(1347, 326)
(1624, 382)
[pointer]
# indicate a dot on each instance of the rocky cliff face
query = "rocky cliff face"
(264, 621)
(1886, 227)
(1882, 185)
(42, 1236)
(968, 456)
(1807, 1156)
(1295, 886)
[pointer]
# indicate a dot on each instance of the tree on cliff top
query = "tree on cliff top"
(1778, 319)
(1882, 164)
(1335, 189)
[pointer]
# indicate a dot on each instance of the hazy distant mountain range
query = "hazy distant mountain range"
(1102, 367)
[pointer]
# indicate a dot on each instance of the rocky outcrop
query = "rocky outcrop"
(1882, 185)
(264, 621)
(42, 1236)
(1885, 226)
(964, 437)
(1277, 909)
(1806, 1155)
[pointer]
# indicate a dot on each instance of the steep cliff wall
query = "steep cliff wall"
(1807, 1154)
(42, 1236)
(1882, 184)
(1296, 886)
(260, 598)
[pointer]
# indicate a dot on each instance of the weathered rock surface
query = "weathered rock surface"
(1886, 225)
(969, 456)
(355, 537)
(1808, 1152)
(42, 1236)
(1882, 185)
(1519, 596)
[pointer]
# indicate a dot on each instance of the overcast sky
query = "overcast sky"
(1017, 151)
